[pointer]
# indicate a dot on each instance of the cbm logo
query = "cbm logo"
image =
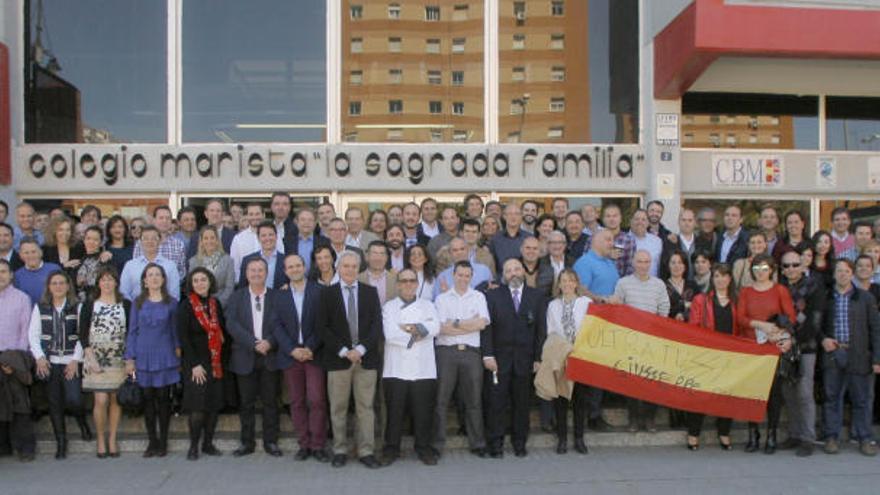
(747, 171)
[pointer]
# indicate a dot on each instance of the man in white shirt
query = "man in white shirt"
(429, 226)
(409, 374)
(463, 315)
(646, 241)
(246, 241)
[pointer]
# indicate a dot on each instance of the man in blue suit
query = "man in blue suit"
(297, 345)
(250, 318)
(511, 347)
(269, 253)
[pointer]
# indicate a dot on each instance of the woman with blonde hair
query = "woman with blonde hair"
(210, 255)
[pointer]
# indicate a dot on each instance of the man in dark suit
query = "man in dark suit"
(297, 347)
(349, 326)
(269, 253)
(732, 243)
(7, 237)
(250, 316)
(308, 239)
(214, 217)
(511, 347)
(337, 230)
(285, 227)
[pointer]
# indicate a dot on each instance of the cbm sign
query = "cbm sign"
(747, 171)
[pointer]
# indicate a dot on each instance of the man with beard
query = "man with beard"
(394, 237)
(560, 209)
(655, 220)
(412, 226)
(511, 346)
(530, 215)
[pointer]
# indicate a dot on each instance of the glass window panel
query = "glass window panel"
(586, 53)
(852, 123)
(71, 96)
(256, 84)
(440, 52)
(747, 120)
(861, 211)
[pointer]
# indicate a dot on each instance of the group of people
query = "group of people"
(412, 312)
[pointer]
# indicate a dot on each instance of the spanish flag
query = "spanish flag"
(671, 363)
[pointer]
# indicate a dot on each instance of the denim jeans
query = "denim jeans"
(837, 383)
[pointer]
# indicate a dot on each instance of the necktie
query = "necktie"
(516, 300)
(352, 316)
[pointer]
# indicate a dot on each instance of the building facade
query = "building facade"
(367, 102)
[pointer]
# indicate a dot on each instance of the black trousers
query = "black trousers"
(18, 435)
(418, 397)
(579, 405)
(695, 424)
(263, 383)
(513, 393)
(774, 405)
(63, 395)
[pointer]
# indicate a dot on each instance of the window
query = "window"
(394, 11)
(357, 45)
(356, 77)
(357, 12)
(458, 45)
(556, 132)
(395, 76)
(240, 85)
(518, 74)
(395, 107)
(460, 12)
(557, 74)
(394, 134)
(458, 108)
(557, 104)
(354, 108)
(435, 107)
(852, 123)
(436, 135)
(350, 137)
(460, 136)
(519, 12)
(557, 8)
(435, 77)
(432, 13)
(432, 45)
(83, 103)
(519, 42)
(516, 107)
(458, 78)
(557, 41)
(394, 45)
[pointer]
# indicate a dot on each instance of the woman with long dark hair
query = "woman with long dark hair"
(418, 260)
(378, 223)
(118, 241)
(204, 348)
(794, 238)
(823, 257)
(702, 261)
(93, 259)
(103, 330)
(714, 310)
(60, 247)
(151, 353)
(324, 266)
(681, 290)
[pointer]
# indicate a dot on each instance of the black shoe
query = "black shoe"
(321, 455)
(84, 429)
(561, 447)
(370, 462)
(520, 452)
(272, 449)
(480, 452)
(462, 430)
(193, 454)
(436, 452)
(496, 454)
(101, 455)
(805, 449)
(428, 459)
(302, 454)
(789, 443)
(770, 445)
(724, 446)
(243, 451)
(339, 460)
(211, 450)
(61, 448)
(580, 446)
(599, 424)
(754, 440)
(389, 458)
(162, 451)
(29, 457)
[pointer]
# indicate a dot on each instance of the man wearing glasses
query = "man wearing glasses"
(706, 239)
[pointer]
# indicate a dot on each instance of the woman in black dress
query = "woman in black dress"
(204, 346)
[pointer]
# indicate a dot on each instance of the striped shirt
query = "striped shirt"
(841, 315)
(648, 295)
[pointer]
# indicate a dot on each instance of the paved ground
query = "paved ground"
(654, 470)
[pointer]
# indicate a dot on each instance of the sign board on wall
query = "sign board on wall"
(826, 172)
(667, 129)
(748, 171)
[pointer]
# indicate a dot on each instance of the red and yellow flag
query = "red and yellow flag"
(671, 363)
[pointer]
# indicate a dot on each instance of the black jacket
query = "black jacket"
(810, 311)
(514, 338)
(279, 278)
(288, 328)
(85, 320)
(332, 327)
(740, 248)
(864, 330)
(240, 326)
(194, 340)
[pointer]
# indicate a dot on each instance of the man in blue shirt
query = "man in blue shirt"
(130, 280)
(596, 269)
(268, 237)
(506, 243)
(31, 278)
(458, 249)
(25, 219)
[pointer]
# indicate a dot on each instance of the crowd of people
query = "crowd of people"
(414, 312)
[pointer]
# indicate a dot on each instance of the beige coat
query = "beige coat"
(550, 381)
(390, 283)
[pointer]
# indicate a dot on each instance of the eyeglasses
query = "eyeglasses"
(407, 281)
(761, 268)
(790, 265)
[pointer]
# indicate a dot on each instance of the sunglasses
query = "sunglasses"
(790, 265)
(761, 268)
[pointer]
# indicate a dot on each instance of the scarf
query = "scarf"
(211, 325)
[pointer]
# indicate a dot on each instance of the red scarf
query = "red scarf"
(211, 325)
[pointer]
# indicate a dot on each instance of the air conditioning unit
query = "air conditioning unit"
(520, 16)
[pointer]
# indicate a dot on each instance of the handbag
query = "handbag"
(789, 361)
(130, 395)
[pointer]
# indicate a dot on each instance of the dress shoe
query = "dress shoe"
(243, 451)
(272, 449)
(302, 454)
(193, 454)
(520, 452)
(831, 446)
(868, 448)
(162, 451)
(61, 448)
(580, 446)
(339, 460)
(29, 457)
(770, 444)
(480, 452)
(321, 455)
(84, 429)
(101, 455)
(428, 459)
(561, 447)
(211, 450)
(496, 454)
(754, 442)
(789, 443)
(370, 461)
(599, 424)
(805, 449)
